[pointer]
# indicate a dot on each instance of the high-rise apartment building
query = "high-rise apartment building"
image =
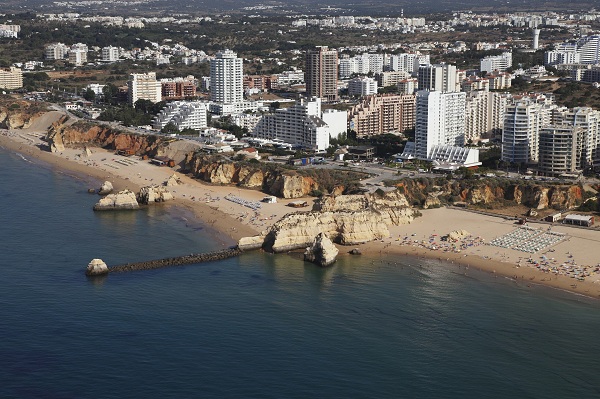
(559, 146)
(523, 121)
(143, 86)
(182, 114)
(484, 115)
(408, 62)
(11, 78)
(321, 73)
(588, 120)
(383, 113)
(56, 51)
(588, 48)
(391, 78)
(227, 78)
(438, 77)
(440, 121)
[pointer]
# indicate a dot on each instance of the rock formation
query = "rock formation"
(457, 235)
(250, 243)
(151, 194)
(106, 188)
(122, 200)
(172, 181)
(346, 219)
(322, 251)
(96, 267)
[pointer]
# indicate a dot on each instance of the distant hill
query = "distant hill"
(312, 7)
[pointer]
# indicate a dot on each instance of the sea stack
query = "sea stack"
(122, 200)
(96, 267)
(106, 188)
(322, 251)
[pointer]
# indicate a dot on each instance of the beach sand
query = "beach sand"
(233, 221)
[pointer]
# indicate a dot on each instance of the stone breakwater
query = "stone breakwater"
(176, 261)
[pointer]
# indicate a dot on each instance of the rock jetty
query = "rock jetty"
(322, 251)
(122, 200)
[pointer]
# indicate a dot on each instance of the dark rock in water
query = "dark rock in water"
(355, 251)
(92, 190)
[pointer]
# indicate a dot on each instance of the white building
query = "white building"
(362, 86)
(56, 51)
(408, 86)
(588, 119)
(496, 62)
(110, 54)
(336, 120)
(77, 57)
(11, 78)
(408, 62)
(588, 48)
(484, 115)
(522, 124)
(361, 64)
(97, 88)
(440, 121)
(227, 78)
(183, 114)
(299, 125)
(438, 77)
(143, 86)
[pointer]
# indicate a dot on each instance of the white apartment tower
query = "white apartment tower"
(484, 116)
(589, 49)
(227, 78)
(110, 54)
(438, 77)
(183, 114)
(56, 51)
(440, 121)
(522, 124)
(143, 86)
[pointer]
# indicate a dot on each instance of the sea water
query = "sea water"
(260, 325)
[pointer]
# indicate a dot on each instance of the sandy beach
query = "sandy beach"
(571, 264)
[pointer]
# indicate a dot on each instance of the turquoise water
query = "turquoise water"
(259, 326)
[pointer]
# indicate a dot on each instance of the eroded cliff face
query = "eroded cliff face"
(63, 134)
(346, 219)
(491, 193)
(19, 114)
(216, 170)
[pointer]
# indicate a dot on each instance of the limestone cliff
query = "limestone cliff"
(346, 219)
(19, 114)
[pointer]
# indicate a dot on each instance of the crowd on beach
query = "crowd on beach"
(443, 244)
(570, 268)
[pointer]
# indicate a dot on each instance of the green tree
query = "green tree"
(89, 95)
(170, 128)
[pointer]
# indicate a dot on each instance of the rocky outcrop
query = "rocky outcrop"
(292, 186)
(122, 200)
(457, 235)
(19, 114)
(151, 194)
(346, 220)
(250, 243)
(106, 188)
(96, 267)
(172, 181)
(322, 251)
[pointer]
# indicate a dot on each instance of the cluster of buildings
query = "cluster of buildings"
(76, 54)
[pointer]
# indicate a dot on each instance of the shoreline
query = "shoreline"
(231, 221)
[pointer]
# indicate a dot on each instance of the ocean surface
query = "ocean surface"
(259, 326)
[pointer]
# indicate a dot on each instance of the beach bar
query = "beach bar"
(579, 220)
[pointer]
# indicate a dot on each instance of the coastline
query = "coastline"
(231, 221)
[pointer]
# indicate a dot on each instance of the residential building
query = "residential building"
(362, 86)
(408, 86)
(391, 78)
(178, 88)
(496, 62)
(56, 51)
(336, 120)
(143, 86)
(11, 78)
(438, 77)
(522, 124)
(484, 114)
(299, 125)
(110, 54)
(559, 146)
(383, 113)
(408, 62)
(77, 57)
(361, 64)
(182, 114)
(588, 48)
(226, 78)
(588, 119)
(321, 73)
